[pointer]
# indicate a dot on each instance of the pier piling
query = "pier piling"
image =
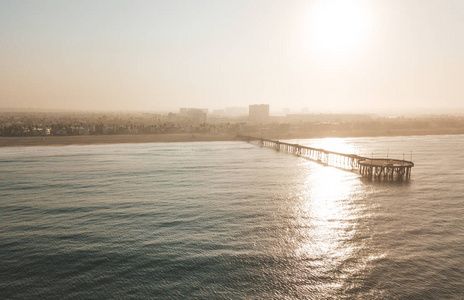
(374, 169)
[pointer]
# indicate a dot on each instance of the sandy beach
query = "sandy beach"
(183, 137)
(110, 139)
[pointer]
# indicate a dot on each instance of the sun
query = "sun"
(337, 26)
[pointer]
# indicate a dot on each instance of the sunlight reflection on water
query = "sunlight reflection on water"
(326, 216)
(229, 220)
(330, 214)
(341, 145)
(324, 210)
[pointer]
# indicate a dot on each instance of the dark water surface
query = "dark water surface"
(230, 220)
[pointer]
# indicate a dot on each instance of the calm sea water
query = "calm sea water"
(230, 220)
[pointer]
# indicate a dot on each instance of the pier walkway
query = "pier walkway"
(377, 169)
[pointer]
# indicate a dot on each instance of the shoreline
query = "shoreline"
(184, 137)
(111, 139)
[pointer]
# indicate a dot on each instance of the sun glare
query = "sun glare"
(327, 219)
(326, 210)
(333, 144)
(337, 27)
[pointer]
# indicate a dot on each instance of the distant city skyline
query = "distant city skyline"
(334, 56)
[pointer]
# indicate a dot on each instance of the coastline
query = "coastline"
(199, 137)
(111, 139)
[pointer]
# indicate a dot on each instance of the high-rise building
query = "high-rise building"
(259, 113)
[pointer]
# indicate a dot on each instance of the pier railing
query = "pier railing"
(378, 169)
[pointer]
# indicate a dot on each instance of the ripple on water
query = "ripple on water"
(229, 220)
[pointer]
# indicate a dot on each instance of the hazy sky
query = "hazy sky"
(328, 56)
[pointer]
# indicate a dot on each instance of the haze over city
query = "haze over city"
(354, 56)
(239, 149)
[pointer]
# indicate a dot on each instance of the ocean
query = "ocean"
(230, 220)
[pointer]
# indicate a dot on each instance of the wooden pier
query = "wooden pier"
(374, 169)
(385, 169)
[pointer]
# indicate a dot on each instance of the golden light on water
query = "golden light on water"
(325, 221)
(332, 144)
(329, 213)
(325, 214)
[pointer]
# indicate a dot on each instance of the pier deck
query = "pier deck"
(377, 169)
